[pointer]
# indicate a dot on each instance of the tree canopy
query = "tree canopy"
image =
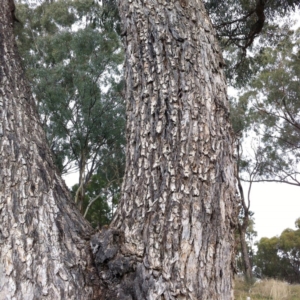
(72, 53)
(279, 257)
(270, 109)
(239, 24)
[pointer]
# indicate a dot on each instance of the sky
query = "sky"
(276, 206)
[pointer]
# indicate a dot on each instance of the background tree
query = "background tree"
(273, 106)
(238, 24)
(250, 234)
(102, 192)
(245, 232)
(268, 110)
(279, 257)
(265, 158)
(71, 52)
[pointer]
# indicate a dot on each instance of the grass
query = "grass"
(266, 290)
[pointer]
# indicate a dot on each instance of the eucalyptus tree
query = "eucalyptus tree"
(238, 24)
(172, 234)
(272, 101)
(178, 207)
(279, 257)
(71, 52)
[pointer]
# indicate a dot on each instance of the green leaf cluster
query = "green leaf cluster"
(270, 108)
(72, 53)
(238, 25)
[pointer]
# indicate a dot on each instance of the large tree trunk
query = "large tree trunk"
(175, 222)
(172, 235)
(44, 241)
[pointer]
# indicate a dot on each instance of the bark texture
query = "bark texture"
(172, 236)
(44, 241)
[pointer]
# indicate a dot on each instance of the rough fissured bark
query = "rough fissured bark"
(172, 236)
(44, 247)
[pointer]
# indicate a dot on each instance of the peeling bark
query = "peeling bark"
(44, 241)
(172, 236)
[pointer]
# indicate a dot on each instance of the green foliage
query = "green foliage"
(272, 110)
(266, 258)
(104, 188)
(279, 257)
(238, 24)
(239, 115)
(72, 53)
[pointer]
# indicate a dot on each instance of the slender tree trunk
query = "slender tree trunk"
(172, 236)
(245, 252)
(79, 196)
(44, 241)
(244, 222)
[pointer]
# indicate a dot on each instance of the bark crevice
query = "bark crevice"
(120, 271)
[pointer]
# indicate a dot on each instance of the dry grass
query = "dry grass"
(273, 289)
(266, 290)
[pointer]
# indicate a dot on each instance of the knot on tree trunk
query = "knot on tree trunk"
(121, 274)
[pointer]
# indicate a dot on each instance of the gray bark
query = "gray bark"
(172, 236)
(44, 241)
